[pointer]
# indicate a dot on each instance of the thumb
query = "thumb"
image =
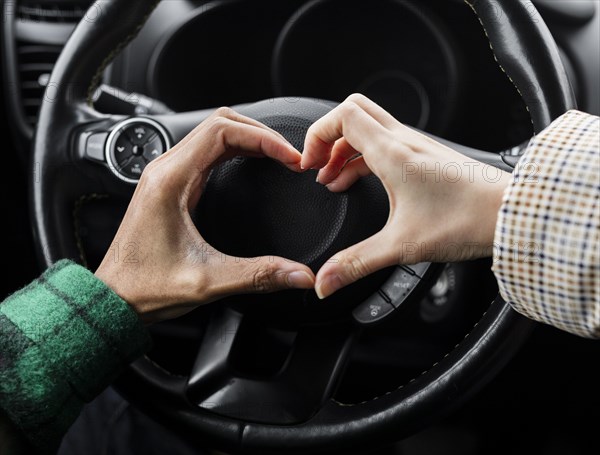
(266, 274)
(354, 263)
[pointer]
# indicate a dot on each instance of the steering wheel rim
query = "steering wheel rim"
(525, 50)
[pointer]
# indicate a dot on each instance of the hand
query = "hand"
(170, 269)
(443, 205)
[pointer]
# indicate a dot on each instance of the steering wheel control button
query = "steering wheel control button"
(384, 296)
(392, 294)
(140, 134)
(132, 144)
(374, 309)
(418, 269)
(94, 146)
(400, 285)
(123, 149)
(134, 167)
(153, 148)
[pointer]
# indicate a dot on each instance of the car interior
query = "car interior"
(450, 369)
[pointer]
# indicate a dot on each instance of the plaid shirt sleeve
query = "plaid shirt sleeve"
(547, 235)
(63, 339)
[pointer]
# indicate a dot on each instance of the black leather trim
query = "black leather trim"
(455, 379)
(98, 37)
(525, 50)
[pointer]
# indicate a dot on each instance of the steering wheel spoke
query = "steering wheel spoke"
(292, 395)
(179, 124)
(87, 157)
(112, 150)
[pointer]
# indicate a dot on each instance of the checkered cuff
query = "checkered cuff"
(548, 230)
(63, 339)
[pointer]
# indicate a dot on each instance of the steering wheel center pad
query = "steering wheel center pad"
(254, 207)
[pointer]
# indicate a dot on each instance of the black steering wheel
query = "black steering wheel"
(81, 154)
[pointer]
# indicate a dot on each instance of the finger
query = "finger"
(224, 112)
(260, 275)
(340, 154)
(409, 135)
(354, 263)
(237, 117)
(375, 111)
(347, 120)
(354, 170)
(225, 138)
(249, 140)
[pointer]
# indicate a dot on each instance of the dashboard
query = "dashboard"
(428, 63)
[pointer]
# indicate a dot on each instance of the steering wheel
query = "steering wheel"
(80, 153)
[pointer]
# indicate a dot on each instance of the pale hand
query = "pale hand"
(443, 205)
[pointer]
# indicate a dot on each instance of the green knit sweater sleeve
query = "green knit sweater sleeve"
(63, 339)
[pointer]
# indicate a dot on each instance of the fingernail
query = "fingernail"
(300, 279)
(328, 286)
(331, 186)
(317, 179)
(318, 176)
(302, 162)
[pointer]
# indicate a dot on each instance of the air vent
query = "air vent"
(35, 65)
(64, 12)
